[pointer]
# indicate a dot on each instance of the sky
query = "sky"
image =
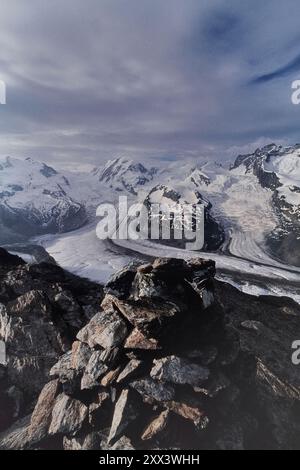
(159, 80)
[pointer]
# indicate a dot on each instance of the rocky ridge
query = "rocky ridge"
(173, 359)
(42, 307)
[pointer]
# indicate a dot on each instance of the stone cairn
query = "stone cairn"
(144, 372)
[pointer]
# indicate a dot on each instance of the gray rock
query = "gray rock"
(42, 414)
(151, 390)
(33, 342)
(179, 371)
(80, 356)
(125, 413)
(62, 366)
(131, 369)
(68, 415)
(109, 356)
(95, 369)
(106, 329)
(120, 283)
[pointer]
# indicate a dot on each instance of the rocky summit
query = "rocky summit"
(172, 359)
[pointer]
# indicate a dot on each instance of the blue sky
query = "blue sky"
(150, 79)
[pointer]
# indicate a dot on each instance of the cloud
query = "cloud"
(90, 80)
(292, 66)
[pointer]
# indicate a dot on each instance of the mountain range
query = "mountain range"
(252, 205)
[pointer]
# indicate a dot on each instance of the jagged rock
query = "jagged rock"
(191, 413)
(42, 414)
(142, 314)
(69, 377)
(119, 285)
(156, 426)
(146, 286)
(68, 415)
(63, 365)
(95, 369)
(179, 371)
(137, 340)
(130, 370)
(109, 356)
(110, 377)
(125, 413)
(80, 356)
(106, 329)
(151, 390)
(147, 379)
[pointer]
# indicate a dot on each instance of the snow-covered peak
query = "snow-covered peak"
(35, 198)
(277, 168)
(124, 174)
(197, 178)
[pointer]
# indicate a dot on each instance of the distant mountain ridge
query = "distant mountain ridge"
(35, 199)
(255, 202)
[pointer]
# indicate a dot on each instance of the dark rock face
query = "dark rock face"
(207, 368)
(41, 309)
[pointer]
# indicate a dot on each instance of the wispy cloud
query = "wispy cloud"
(90, 80)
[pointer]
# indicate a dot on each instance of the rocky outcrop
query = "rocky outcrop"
(41, 310)
(206, 367)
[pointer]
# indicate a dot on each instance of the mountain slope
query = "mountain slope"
(278, 170)
(121, 174)
(35, 199)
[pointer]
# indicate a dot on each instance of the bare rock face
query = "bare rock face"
(41, 309)
(173, 360)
